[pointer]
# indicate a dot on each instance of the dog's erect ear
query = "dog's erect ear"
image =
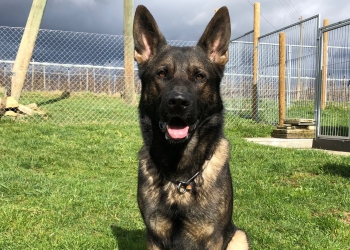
(216, 37)
(147, 36)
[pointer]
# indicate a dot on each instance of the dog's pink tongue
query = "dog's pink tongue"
(178, 132)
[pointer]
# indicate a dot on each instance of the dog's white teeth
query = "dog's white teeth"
(167, 136)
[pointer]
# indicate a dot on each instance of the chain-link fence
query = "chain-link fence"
(73, 77)
(65, 47)
(300, 73)
(236, 86)
(80, 77)
(301, 41)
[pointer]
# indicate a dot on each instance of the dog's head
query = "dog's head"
(180, 85)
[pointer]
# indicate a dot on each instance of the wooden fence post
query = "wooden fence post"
(130, 95)
(255, 101)
(26, 47)
(282, 78)
(324, 67)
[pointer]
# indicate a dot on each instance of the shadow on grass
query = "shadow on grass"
(342, 170)
(129, 239)
(63, 96)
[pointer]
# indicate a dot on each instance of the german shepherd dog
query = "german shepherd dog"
(185, 190)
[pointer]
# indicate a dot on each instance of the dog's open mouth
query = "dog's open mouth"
(177, 128)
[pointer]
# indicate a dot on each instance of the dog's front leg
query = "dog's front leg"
(152, 246)
(239, 241)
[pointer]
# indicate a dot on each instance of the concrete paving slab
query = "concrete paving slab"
(292, 143)
(284, 143)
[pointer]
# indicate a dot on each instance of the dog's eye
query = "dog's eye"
(199, 77)
(161, 74)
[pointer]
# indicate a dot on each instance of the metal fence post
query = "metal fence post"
(87, 80)
(44, 73)
(109, 79)
(68, 81)
(318, 88)
(299, 58)
(289, 80)
(33, 68)
(324, 67)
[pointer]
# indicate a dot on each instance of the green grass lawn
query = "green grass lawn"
(74, 187)
(84, 107)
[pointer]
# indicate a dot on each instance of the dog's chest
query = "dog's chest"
(181, 217)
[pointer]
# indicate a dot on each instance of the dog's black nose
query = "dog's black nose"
(178, 101)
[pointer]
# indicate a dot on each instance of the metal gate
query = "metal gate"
(332, 100)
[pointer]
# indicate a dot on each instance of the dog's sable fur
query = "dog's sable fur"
(184, 185)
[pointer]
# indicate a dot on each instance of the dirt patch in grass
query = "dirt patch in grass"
(295, 178)
(340, 215)
(347, 218)
(303, 175)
